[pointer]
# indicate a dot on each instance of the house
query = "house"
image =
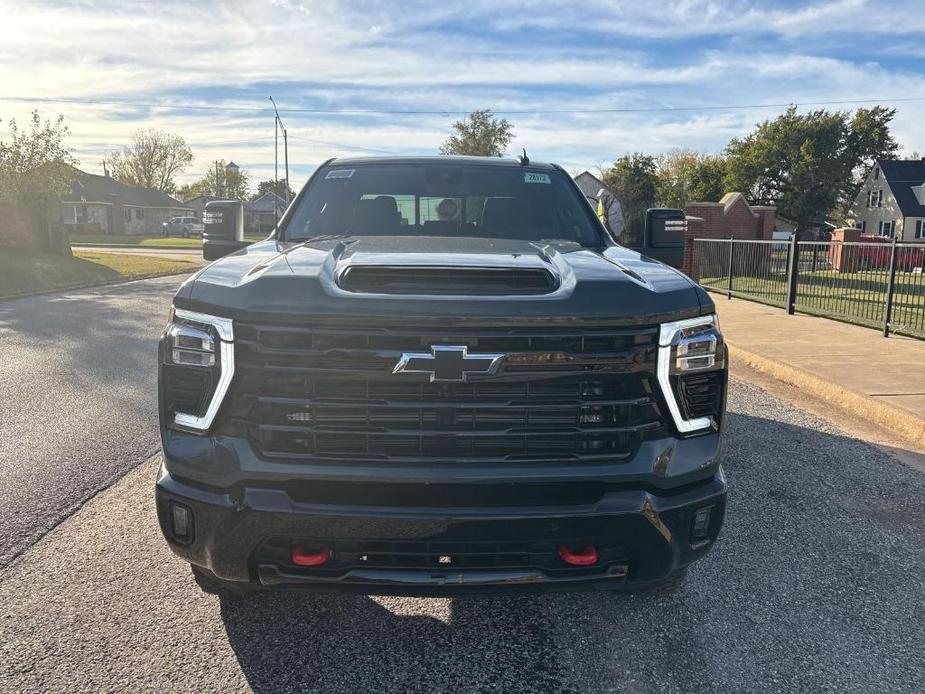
(198, 204)
(264, 212)
(892, 200)
(100, 204)
(595, 190)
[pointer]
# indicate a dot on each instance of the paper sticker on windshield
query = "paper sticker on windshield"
(530, 177)
(340, 173)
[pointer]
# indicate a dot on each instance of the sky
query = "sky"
(582, 82)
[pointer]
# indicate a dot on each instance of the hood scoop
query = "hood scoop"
(462, 281)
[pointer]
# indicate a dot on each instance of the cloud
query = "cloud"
(175, 61)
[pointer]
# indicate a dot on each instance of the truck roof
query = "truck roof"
(442, 158)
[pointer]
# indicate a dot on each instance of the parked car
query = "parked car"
(440, 375)
(183, 226)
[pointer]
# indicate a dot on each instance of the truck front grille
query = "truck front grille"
(321, 393)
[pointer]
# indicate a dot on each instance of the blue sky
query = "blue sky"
(555, 69)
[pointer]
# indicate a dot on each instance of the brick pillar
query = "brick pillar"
(695, 226)
(844, 258)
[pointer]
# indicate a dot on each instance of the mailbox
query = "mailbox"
(223, 233)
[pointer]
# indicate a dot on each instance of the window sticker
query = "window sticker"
(339, 173)
(532, 177)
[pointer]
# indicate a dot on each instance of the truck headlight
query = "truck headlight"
(692, 372)
(197, 363)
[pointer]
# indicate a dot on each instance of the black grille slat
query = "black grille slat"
(329, 394)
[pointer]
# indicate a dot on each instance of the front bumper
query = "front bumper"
(243, 536)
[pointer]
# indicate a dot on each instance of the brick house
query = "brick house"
(892, 200)
(100, 204)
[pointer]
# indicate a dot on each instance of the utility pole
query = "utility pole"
(277, 126)
(275, 163)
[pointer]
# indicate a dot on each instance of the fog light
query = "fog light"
(700, 528)
(181, 521)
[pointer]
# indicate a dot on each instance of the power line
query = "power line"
(446, 112)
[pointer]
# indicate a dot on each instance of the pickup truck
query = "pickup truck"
(182, 226)
(440, 375)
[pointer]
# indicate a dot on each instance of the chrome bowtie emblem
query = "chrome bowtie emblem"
(449, 363)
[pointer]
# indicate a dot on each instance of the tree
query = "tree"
(271, 186)
(480, 134)
(153, 160)
(188, 191)
(685, 176)
(633, 180)
(221, 181)
(37, 167)
(808, 164)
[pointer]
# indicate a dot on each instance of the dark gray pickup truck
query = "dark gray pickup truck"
(441, 375)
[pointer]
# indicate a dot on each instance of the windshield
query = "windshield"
(442, 200)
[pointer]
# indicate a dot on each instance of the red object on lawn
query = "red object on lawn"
(301, 557)
(583, 557)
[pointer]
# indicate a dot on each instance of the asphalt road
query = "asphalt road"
(816, 585)
(77, 399)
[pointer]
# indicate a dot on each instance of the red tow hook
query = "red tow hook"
(583, 557)
(301, 557)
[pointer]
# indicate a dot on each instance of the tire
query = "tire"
(186, 233)
(209, 583)
(671, 584)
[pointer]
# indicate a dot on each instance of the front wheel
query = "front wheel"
(208, 582)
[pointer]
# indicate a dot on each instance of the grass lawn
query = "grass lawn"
(135, 241)
(108, 240)
(23, 273)
(859, 297)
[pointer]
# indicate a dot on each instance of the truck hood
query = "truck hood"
(291, 282)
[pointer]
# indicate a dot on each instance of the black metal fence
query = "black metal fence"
(877, 284)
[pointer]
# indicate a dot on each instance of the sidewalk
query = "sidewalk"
(882, 379)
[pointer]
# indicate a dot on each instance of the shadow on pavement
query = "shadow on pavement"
(816, 584)
(301, 640)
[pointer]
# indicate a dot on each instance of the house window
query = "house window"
(886, 228)
(139, 213)
(860, 224)
(920, 229)
(876, 172)
(126, 214)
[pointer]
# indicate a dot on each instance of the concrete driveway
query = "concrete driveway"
(817, 585)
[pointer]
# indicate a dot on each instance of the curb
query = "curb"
(91, 285)
(899, 422)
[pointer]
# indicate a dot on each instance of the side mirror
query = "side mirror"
(665, 228)
(223, 228)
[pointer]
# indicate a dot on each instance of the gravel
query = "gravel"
(816, 585)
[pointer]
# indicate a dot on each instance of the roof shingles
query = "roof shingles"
(93, 188)
(903, 175)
